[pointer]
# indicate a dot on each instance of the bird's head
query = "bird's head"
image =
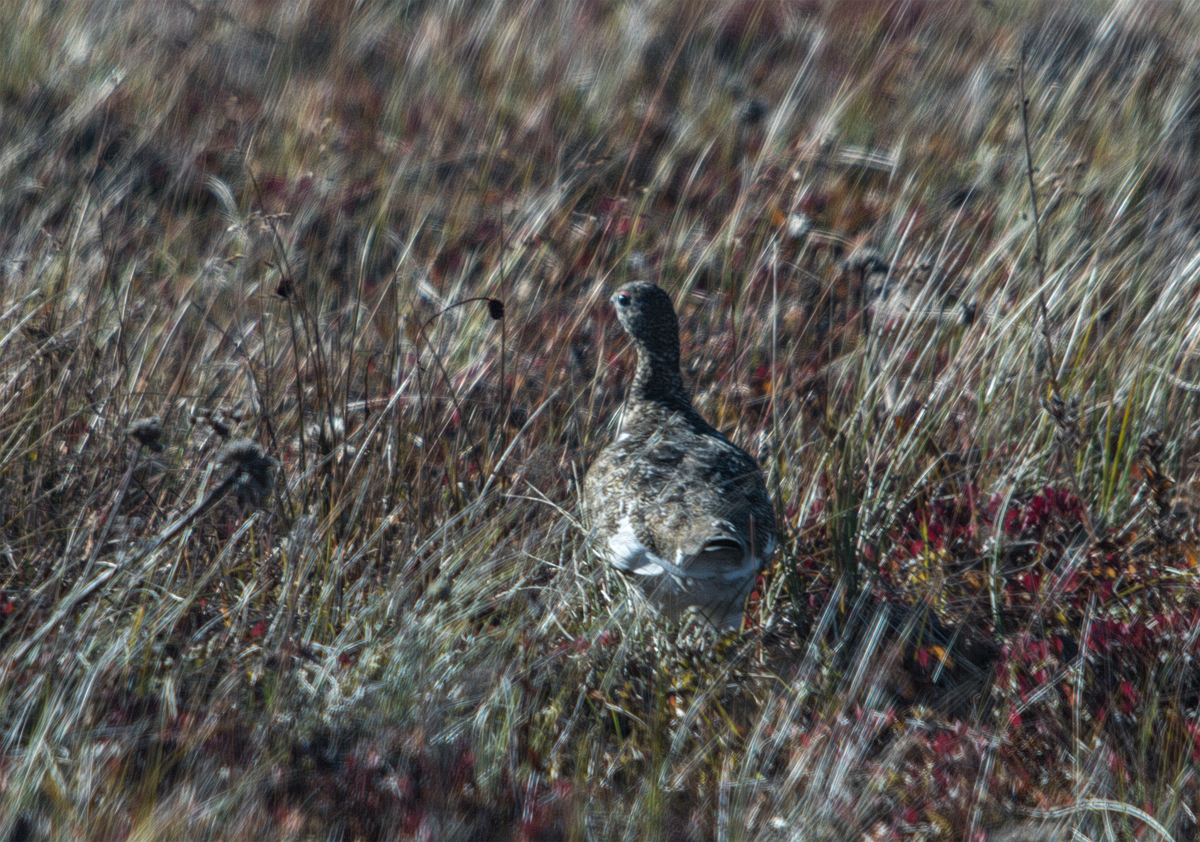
(646, 313)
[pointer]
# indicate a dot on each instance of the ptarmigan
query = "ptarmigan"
(673, 501)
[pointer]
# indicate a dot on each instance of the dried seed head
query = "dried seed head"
(1066, 420)
(217, 420)
(865, 261)
(252, 467)
(328, 435)
(240, 452)
(1152, 447)
(147, 432)
(753, 112)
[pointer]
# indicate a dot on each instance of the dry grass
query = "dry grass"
(375, 239)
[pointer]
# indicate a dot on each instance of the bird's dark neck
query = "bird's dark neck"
(658, 380)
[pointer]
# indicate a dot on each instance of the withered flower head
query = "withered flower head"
(147, 432)
(253, 468)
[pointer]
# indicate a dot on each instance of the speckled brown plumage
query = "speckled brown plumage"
(672, 501)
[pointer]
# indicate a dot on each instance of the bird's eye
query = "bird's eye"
(622, 299)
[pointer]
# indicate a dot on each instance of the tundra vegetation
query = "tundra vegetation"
(304, 350)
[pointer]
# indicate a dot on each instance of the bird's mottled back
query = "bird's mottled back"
(672, 500)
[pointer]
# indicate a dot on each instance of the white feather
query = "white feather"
(627, 552)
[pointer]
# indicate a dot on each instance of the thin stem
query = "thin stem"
(1067, 449)
(1038, 258)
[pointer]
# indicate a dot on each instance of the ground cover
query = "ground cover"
(304, 351)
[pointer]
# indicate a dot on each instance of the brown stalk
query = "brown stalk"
(1066, 437)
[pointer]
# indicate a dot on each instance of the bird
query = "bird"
(671, 501)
